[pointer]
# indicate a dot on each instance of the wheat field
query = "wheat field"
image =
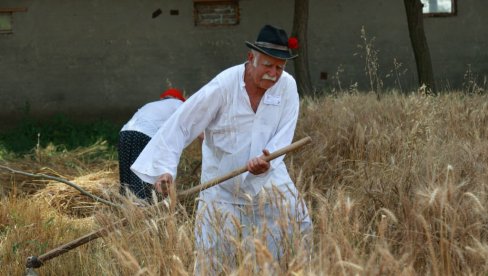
(395, 186)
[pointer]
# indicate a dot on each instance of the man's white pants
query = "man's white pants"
(276, 225)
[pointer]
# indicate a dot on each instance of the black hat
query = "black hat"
(274, 42)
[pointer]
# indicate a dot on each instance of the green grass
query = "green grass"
(60, 131)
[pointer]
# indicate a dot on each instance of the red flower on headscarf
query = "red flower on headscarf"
(293, 43)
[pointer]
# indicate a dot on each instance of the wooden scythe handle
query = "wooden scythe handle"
(298, 144)
(36, 262)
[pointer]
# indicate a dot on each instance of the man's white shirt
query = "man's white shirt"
(234, 134)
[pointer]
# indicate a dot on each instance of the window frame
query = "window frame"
(9, 29)
(9, 12)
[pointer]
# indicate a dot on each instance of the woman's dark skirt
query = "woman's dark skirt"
(131, 144)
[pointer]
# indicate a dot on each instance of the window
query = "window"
(439, 7)
(6, 21)
(216, 12)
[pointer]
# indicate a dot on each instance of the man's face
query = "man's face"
(265, 70)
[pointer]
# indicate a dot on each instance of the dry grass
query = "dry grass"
(54, 161)
(397, 186)
(71, 202)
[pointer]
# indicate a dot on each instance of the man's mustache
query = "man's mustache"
(268, 77)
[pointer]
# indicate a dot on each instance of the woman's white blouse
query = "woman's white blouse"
(150, 117)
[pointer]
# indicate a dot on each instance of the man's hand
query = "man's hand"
(258, 165)
(163, 184)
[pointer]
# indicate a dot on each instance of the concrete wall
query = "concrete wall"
(454, 42)
(104, 59)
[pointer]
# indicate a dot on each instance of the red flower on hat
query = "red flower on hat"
(293, 43)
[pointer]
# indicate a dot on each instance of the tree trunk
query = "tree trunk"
(300, 23)
(419, 44)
